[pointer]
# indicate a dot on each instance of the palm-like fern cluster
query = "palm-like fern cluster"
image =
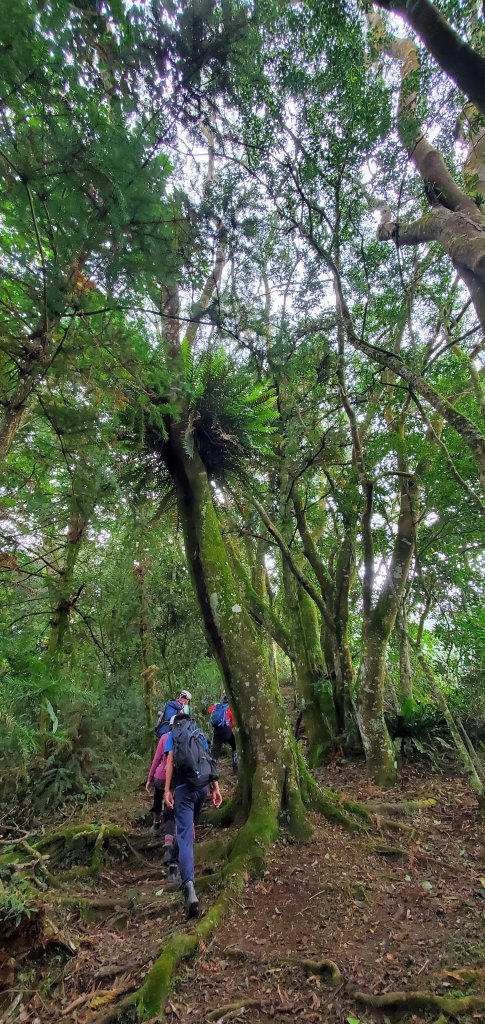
(229, 420)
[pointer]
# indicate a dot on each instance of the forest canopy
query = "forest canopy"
(242, 463)
(242, 305)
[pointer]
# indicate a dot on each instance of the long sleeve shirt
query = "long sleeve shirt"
(158, 768)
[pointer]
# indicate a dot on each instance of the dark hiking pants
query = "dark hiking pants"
(222, 734)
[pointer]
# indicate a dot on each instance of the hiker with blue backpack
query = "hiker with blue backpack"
(222, 722)
(172, 708)
(190, 778)
(156, 777)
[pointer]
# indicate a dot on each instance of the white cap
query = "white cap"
(186, 694)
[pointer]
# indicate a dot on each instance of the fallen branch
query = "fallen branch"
(98, 998)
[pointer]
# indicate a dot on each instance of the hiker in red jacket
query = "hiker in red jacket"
(222, 722)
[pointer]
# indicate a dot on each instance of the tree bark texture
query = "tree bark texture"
(456, 57)
(405, 668)
(455, 221)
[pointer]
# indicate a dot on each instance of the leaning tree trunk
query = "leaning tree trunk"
(268, 753)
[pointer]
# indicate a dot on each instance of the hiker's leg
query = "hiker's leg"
(185, 799)
(200, 799)
(217, 742)
(157, 807)
(231, 741)
(169, 844)
(235, 760)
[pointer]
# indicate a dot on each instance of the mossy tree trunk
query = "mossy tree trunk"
(61, 588)
(63, 597)
(334, 590)
(313, 687)
(405, 667)
(262, 588)
(270, 774)
(379, 620)
(314, 690)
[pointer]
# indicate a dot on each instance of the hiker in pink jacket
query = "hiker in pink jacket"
(156, 778)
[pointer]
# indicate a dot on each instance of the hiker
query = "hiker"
(172, 708)
(190, 777)
(222, 722)
(156, 778)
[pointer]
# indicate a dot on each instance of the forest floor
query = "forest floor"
(405, 918)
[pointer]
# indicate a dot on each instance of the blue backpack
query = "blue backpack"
(218, 716)
(173, 707)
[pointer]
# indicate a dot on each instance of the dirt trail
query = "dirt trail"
(390, 920)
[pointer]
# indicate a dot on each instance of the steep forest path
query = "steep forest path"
(396, 916)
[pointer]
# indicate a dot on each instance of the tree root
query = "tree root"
(326, 970)
(394, 852)
(404, 807)
(422, 1001)
(222, 1011)
(212, 850)
(95, 908)
(330, 804)
(248, 857)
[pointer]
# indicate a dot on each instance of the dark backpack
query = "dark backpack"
(193, 764)
(173, 707)
(218, 716)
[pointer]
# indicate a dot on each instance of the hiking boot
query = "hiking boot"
(235, 763)
(191, 901)
(156, 828)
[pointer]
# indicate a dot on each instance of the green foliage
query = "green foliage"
(17, 904)
(229, 418)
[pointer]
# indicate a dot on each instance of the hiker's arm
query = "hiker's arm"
(168, 795)
(216, 795)
(155, 763)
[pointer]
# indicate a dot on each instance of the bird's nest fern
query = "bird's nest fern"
(227, 419)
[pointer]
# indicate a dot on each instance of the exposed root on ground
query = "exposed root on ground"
(422, 1000)
(326, 970)
(404, 807)
(98, 908)
(222, 1011)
